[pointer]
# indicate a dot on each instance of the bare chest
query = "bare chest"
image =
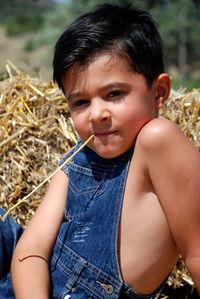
(147, 252)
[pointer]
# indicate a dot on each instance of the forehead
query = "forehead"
(102, 65)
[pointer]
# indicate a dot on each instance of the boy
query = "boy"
(133, 193)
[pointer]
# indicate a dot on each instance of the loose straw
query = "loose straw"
(12, 137)
(42, 183)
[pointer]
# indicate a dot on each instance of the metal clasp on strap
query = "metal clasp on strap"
(107, 287)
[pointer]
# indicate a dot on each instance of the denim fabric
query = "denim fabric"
(10, 232)
(84, 263)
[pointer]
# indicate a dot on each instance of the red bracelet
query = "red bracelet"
(33, 255)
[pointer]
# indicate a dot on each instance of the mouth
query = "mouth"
(103, 134)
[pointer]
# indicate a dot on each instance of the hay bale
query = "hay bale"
(183, 108)
(36, 130)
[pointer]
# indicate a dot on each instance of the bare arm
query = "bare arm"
(174, 169)
(31, 277)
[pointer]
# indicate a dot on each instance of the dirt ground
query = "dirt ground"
(12, 49)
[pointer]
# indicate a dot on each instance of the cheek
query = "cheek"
(135, 119)
(77, 127)
(79, 124)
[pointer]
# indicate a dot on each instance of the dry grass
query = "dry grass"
(36, 130)
(183, 108)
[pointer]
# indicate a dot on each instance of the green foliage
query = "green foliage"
(190, 83)
(48, 20)
(24, 23)
(30, 46)
(21, 16)
(172, 18)
(54, 23)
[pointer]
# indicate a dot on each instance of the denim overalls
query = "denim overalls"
(84, 263)
(9, 235)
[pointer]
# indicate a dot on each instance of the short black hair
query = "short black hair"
(111, 29)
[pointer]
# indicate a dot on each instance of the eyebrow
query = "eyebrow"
(77, 94)
(73, 95)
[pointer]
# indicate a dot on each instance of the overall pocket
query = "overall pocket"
(85, 184)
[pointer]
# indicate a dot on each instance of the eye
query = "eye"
(79, 103)
(116, 94)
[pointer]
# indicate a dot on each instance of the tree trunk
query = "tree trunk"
(182, 50)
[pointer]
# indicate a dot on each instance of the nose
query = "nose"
(99, 111)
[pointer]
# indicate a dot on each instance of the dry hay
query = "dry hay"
(36, 131)
(183, 108)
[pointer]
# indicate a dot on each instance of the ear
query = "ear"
(162, 86)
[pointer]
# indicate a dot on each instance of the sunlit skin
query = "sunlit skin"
(108, 99)
(111, 101)
(160, 215)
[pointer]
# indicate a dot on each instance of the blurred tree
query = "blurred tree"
(22, 16)
(179, 25)
(183, 37)
(178, 21)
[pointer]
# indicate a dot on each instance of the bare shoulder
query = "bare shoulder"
(159, 126)
(58, 180)
(159, 133)
(55, 196)
(161, 141)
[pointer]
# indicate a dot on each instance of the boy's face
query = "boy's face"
(110, 101)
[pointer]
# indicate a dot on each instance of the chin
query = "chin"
(108, 154)
(110, 151)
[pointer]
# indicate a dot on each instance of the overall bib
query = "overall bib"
(84, 262)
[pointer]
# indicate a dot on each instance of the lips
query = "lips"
(103, 134)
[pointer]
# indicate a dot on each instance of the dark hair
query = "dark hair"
(111, 28)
